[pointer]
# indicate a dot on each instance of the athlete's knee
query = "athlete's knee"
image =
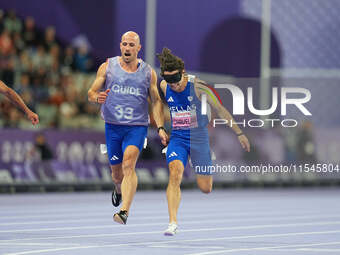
(205, 184)
(207, 188)
(129, 160)
(175, 178)
(128, 167)
(175, 173)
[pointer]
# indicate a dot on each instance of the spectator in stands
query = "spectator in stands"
(6, 43)
(40, 59)
(49, 38)
(24, 64)
(30, 35)
(25, 84)
(69, 109)
(82, 59)
(1, 21)
(13, 118)
(54, 53)
(68, 58)
(12, 23)
(18, 42)
(41, 70)
(8, 71)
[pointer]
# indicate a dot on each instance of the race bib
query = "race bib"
(184, 119)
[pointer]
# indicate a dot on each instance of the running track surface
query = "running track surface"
(266, 222)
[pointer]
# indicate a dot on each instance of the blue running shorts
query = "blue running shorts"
(118, 137)
(196, 145)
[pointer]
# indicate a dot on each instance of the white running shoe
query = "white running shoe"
(171, 230)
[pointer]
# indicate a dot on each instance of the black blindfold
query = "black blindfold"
(173, 78)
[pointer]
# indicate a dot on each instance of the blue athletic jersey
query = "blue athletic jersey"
(189, 134)
(126, 103)
(185, 109)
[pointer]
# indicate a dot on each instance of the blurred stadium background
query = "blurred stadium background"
(50, 50)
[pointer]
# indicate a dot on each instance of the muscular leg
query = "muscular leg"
(204, 182)
(129, 183)
(117, 176)
(173, 191)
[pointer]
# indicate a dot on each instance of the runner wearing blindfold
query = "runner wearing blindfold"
(189, 136)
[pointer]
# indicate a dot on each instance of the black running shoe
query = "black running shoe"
(120, 217)
(116, 198)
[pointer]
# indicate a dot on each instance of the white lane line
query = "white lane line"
(178, 241)
(52, 222)
(320, 250)
(295, 250)
(94, 215)
(186, 246)
(161, 223)
(51, 215)
(188, 230)
(231, 219)
(262, 248)
(19, 211)
(38, 244)
(322, 223)
(37, 213)
(137, 215)
(193, 215)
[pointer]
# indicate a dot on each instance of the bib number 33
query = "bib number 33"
(123, 112)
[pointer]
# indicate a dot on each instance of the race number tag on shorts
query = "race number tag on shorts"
(184, 119)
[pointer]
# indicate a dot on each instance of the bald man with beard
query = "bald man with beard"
(122, 86)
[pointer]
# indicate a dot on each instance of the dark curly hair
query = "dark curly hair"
(170, 62)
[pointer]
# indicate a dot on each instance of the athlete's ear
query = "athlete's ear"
(139, 47)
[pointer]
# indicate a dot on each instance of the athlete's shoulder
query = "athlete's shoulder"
(102, 68)
(196, 81)
(200, 83)
(163, 85)
(112, 59)
(153, 72)
(108, 61)
(200, 86)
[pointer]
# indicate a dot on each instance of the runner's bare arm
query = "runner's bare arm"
(157, 107)
(223, 113)
(17, 101)
(93, 94)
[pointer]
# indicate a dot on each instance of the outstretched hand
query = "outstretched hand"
(244, 142)
(33, 117)
(102, 96)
